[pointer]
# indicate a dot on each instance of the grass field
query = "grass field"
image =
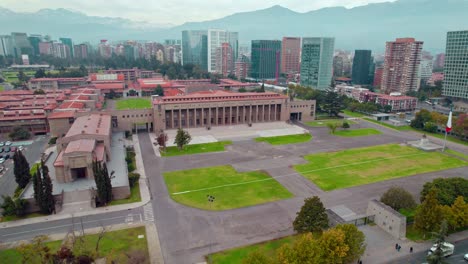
(324, 123)
(456, 153)
(134, 196)
(196, 149)
(352, 114)
(357, 132)
(114, 245)
(399, 128)
(230, 188)
(133, 103)
(289, 139)
(352, 167)
(2, 88)
(236, 255)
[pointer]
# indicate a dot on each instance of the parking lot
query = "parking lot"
(32, 151)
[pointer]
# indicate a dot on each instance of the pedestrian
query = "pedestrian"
(396, 246)
(360, 262)
(399, 247)
(411, 250)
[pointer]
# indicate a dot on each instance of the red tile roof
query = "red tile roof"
(81, 145)
(62, 114)
(93, 124)
(72, 105)
(210, 96)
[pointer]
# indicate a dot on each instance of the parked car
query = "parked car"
(2, 160)
(447, 249)
(8, 143)
(20, 148)
(2, 144)
(1, 150)
(7, 149)
(7, 156)
(466, 257)
(13, 149)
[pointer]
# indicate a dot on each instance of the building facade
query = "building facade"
(425, 70)
(224, 59)
(401, 65)
(290, 55)
(265, 59)
(80, 51)
(195, 48)
(216, 38)
(456, 65)
(7, 47)
(439, 61)
(69, 43)
(317, 62)
(21, 44)
(362, 64)
(35, 40)
(242, 67)
(217, 108)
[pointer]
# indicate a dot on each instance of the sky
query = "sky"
(174, 12)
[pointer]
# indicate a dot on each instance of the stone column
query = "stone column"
(269, 112)
(172, 118)
(180, 118)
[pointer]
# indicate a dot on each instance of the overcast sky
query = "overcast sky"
(174, 11)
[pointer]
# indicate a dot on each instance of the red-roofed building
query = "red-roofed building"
(56, 83)
(34, 120)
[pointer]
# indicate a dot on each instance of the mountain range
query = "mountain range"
(363, 27)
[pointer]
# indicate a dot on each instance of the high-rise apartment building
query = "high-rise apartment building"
(224, 59)
(216, 37)
(401, 65)
(45, 48)
(69, 43)
(425, 69)
(7, 46)
(34, 40)
(290, 55)
(105, 49)
(317, 62)
(456, 65)
(80, 51)
(242, 67)
(378, 77)
(195, 48)
(21, 44)
(61, 50)
(172, 42)
(265, 59)
(362, 64)
(439, 61)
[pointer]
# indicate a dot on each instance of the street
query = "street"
(461, 248)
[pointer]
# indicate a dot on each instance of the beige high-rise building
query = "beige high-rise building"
(290, 55)
(401, 65)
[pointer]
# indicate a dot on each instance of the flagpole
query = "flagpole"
(448, 127)
(445, 141)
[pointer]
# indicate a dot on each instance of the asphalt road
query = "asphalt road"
(32, 153)
(461, 248)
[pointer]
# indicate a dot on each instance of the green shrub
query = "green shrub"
(128, 134)
(133, 178)
(52, 141)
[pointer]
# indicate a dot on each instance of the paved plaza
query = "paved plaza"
(188, 234)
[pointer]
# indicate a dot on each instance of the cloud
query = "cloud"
(174, 11)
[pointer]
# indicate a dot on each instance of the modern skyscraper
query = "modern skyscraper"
(401, 65)
(362, 64)
(21, 44)
(216, 37)
(265, 59)
(439, 61)
(242, 67)
(7, 46)
(224, 59)
(172, 42)
(317, 62)
(195, 48)
(34, 40)
(425, 69)
(290, 55)
(69, 43)
(456, 65)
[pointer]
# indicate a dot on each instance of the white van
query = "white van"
(447, 249)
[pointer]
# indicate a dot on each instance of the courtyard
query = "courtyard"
(132, 103)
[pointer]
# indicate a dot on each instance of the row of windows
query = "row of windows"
(141, 115)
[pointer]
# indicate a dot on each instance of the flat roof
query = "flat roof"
(59, 115)
(93, 124)
(81, 145)
(217, 95)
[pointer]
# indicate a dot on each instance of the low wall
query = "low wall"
(388, 219)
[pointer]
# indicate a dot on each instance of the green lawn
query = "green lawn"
(399, 128)
(230, 188)
(289, 139)
(442, 136)
(2, 88)
(456, 153)
(134, 196)
(196, 149)
(357, 132)
(14, 217)
(114, 245)
(352, 114)
(324, 123)
(352, 167)
(133, 103)
(415, 235)
(236, 255)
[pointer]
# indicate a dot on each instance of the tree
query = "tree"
(345, 125)
(37, 186)
(333, 246)
(398, 198)
(20, 207)
(182, 138)
(312, 216)
(332, 104)
(8, 206)
(332, 126)
(256, 257)
(305, 251)
(132, 92)
(356, 241)
(47, 203)
(158, 91)
(40, 73)
(19, 133)
(438, 255)
(22, 77)
(112, 94)
(162, 140)
(35, 252)
(387, 108)
(429, 214)
(39, 91)
(459, 210)
(242, 90)
(447, 189)
(21, 169)
(421, 118)
(103, 182)
(262, 88)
